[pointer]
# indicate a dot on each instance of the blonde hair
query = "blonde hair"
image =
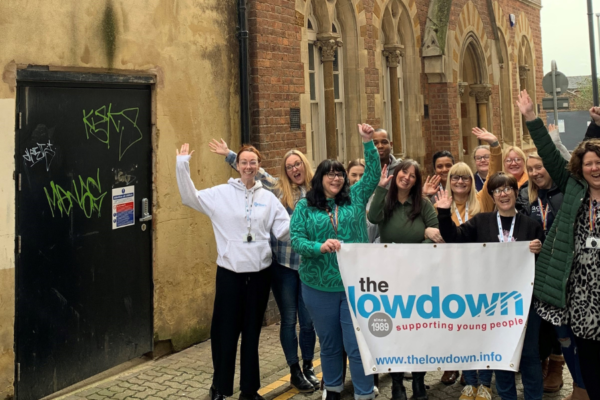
(461, 168)
(532, 189)
(288, 190)
(483, 146)
(517, 150)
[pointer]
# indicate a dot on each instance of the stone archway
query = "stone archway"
(474, 92)
(526, 78)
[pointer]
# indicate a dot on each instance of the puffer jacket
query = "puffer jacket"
(553, 266)
(523, 206)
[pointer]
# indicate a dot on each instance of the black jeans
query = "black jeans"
(240, 303)
(589, 361)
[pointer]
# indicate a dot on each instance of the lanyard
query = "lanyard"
(460, 221)
(592, 216)
(501, 231)
(249, 210)
(480, 178)
(334, 221)
(544, 214)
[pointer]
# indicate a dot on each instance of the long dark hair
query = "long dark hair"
(415, 194)
(316, 195)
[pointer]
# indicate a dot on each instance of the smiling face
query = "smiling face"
(355, 174)
(482, 160)
(333, 182)
(505, 201)
(514, 164)
(248, 165)
(461, 184)
(538, 174)
(406, 179)
(294, 168)
(442, 167)
(591, 169)
(383, 145)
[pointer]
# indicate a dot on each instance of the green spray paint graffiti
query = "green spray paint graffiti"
(81, 196)
(98, 123)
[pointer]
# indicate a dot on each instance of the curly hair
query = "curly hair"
(576, 164)
(316, 195)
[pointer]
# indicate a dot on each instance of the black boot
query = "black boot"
(418, 386)
(398, 390)
(215, 395)
(298, 380)
(255, 396)
(333, 395)
(309, 373)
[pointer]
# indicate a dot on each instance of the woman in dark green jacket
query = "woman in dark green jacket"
(567, 278)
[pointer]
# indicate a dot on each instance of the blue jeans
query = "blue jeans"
(569, 349)
(481, 377)
(331, 315)
(285, 284)
(531, 367)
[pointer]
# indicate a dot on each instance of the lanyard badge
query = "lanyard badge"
(501, 231)
(249, 236)
(593, 242)
(334, 221)
(544, 214)
(460, 221)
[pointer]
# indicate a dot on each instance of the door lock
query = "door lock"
(145, 214)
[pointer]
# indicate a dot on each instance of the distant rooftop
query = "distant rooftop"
(576, 81)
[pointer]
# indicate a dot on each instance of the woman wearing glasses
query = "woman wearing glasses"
(514, 164)
(333, 213)
(482, 156)
(504, 225)
(244, 216)
(296, 174)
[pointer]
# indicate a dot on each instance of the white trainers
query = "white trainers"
(468, 393)
(484, 393)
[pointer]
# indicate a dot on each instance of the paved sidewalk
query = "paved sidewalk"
(188, 375)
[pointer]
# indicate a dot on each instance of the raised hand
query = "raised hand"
(366, 132)
(443, 200)
(431, 185)
(330, 246)
(595, 114)
(385, 179)
(535, 246)
(552, 127)
(434, 234)
(484, 135)
(219, 147)
(526, 106)
(185, 150)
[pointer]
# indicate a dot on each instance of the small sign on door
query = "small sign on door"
(123, 207)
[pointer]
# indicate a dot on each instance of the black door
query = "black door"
(84, 269)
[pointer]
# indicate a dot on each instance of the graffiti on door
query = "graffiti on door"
(81, 195)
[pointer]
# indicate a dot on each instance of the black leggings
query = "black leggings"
(589, 361)
(240, 304)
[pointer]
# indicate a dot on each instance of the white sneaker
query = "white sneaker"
(376, 391)
(408, 375)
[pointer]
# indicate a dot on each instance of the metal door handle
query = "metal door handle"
(145, 214)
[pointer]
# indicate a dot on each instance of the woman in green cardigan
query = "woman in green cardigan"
(333, 213)
(403, 215)
(567, 274)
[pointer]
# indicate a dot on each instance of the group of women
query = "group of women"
(283, 234)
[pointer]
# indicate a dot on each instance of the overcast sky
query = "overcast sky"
(565, 36)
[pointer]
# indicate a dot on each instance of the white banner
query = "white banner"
(426, 307)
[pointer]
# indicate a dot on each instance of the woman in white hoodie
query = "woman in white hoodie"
(243, 215)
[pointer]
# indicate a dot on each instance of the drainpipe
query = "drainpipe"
(244, 84)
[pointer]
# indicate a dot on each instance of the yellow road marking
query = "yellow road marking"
(282, 381)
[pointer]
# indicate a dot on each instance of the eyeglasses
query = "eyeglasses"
(481, 158)
(333, 175)
(456, 178)
(505, 190)
(517, 160)
(296, 165)
(251, 163)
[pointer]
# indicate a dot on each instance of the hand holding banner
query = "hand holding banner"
(427, 307)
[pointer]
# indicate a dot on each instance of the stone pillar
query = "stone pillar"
(482, 93)
(393, 55)
(523, 72)
(328, 46)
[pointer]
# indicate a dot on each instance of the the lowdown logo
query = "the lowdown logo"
(406, 304)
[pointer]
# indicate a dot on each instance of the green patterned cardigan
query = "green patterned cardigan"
(311, 227)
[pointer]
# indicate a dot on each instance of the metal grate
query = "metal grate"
(295, 119)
